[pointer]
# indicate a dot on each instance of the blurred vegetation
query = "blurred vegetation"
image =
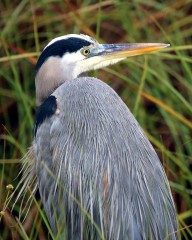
(156, 87)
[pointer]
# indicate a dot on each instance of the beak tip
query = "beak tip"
(167, 45)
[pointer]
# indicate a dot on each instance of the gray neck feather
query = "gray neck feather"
(50, 76)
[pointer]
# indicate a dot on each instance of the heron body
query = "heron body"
(97, 173)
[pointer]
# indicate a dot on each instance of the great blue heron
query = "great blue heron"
(97, 173)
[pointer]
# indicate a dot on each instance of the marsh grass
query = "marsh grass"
(156, 87)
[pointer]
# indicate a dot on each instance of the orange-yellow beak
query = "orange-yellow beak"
(116, 51)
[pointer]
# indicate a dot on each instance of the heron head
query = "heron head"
(67, 57)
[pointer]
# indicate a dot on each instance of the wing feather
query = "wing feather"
(106, 172)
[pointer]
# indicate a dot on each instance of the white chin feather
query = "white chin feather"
(104, 63)
(93, 64)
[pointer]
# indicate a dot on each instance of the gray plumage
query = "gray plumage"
(95, 151)
(97, 173)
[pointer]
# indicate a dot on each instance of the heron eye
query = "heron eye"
(85, 51)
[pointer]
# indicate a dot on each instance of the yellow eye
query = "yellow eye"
(85, 51)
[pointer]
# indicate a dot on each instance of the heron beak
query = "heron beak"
(120, 51)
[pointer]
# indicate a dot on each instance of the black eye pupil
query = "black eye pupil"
(86, 51)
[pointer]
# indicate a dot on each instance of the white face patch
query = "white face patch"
(72, 58)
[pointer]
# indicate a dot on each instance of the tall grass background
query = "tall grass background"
(156, 87)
